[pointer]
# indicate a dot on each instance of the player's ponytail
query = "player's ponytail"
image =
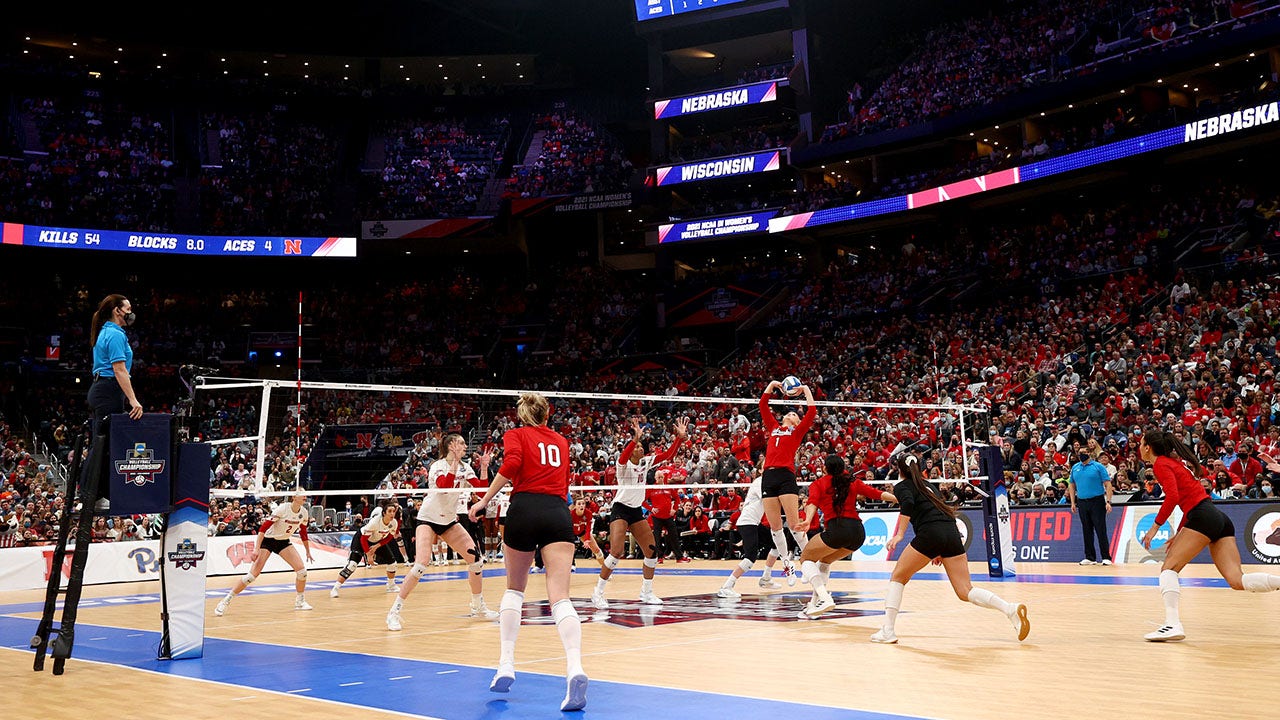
(909, 469)
(533, 409)
(840, 482)
(1166, 444)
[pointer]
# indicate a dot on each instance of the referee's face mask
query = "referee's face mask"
(126, 315)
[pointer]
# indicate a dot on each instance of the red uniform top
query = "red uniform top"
(581, 523)
(742, 449)
(783, 442)
(822, 495)
(699, 524)
(728, 501)
(536, 458)
(1180, 488)
(662, 503)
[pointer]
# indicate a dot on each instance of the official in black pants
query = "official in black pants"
(1090, 493)
(111, 390)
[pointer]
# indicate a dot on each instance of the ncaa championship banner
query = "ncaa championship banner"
(184, 549)
(140, 467)
(721, 167)
(740, 96)
(715, 228)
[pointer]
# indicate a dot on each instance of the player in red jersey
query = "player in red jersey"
(778, 482)
(536, 465)
(835, 494)
(583, 518)
(1203, 525)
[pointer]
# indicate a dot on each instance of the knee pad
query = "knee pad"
(393, 568)
(301, 575)
(345, 572)
(651, 562)
(249, 578)
(773, 554)
(418, 570)
(476, 567)
(473, 552)
(511, 600)
(563, 610)
(611, 562)
(745, 564)
(653, 550)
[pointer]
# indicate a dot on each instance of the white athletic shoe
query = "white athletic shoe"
(789, 572)
(393, 621)
(222, 606)
(301, 604)
(817, 607)
(575, 696)
(769, 584)
(1167, 633)
(1021, 623)
(333, 592)
(884, 636)
(648, 598)
(392, 587)
(506, 675)
(728, 594)
(598, 600)
(1087, 561)
(481, 611)
(1106, 562)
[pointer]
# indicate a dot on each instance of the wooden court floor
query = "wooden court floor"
(696, 656)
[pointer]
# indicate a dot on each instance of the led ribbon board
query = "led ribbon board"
(740, 96)
(656, 9)
(715, 228)
(728, 166)
(173, 244)
(1212, 127)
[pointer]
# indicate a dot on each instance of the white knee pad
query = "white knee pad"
(1257, 582)
(745, 564)
(345, 572)
(393, 568)
(611, 562)
(418, 570)
(249, 578)
(651, 562)
(563, 610)
(476, 567)
(511, 600)
(773, 554)
(301, 575)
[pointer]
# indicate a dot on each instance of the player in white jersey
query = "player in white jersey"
(438, 516)
(378, 541)
(754, 539)
(625, 513)
(274, 537)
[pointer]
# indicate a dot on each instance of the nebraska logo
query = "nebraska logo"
(186, 556)
(140, 465)
(783, 607)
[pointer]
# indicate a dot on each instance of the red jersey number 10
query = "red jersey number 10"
(550, 454)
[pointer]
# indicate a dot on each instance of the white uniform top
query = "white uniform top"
(752, 505)
(442, 507)
(285, 522)
(377, 530)
(631, 489)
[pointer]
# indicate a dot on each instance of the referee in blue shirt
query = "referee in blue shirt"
(1090, 489)
(112, 391)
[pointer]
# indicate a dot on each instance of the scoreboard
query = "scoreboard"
(655, 9)
(177, 244)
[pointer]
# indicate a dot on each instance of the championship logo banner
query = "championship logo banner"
(184, 555)
(140, 464)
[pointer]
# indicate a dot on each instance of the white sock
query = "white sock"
(768, 573)
(729, 582)
(397, 605)
(825, 569)
(1171, 593)
(819, 583)
(646, 586)
(1260, 582)
(892, 602)
(570, 629)
(477, 599)
(780, 542)
(601, 584)
(802, 539)
(509, 625)
(988, 599)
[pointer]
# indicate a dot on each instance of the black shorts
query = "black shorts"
(275, 545)
(938, 539)
(536, 520)
(390, 553)
(632, 515)
(1209, 521)
(844, 534)
(437, 528)
(778, 481)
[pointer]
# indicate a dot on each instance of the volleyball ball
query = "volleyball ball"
(791, 385)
